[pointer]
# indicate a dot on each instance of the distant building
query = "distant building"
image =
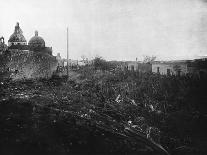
(180, 67)
(198, 67)
(170, 67)
(36, 42)
(82, 63)
(137, 66)
(32, 60)
(3, 46)
(17, 37)
(75, 63)
(176, 67)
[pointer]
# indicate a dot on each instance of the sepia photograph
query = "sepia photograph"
(100, 77)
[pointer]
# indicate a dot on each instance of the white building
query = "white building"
(170, 67)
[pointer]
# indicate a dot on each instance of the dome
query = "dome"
(36, 42)
(17, 37)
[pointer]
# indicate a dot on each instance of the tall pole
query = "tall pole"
(67, 55)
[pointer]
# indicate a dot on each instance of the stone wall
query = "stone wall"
(30, 65)
(170, 68)
(137, 66)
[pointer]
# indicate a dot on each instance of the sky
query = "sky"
(113, 29)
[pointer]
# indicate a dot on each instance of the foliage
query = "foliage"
(149, 59)
(117, 111)
(100, 64)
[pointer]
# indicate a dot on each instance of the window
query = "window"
(158, 69)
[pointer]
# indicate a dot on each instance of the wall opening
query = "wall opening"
(158, 69)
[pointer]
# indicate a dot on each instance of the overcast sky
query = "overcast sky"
(113, 29)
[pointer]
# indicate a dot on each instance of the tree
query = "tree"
(149, 59)
(100, 64)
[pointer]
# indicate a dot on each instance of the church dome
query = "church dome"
(17, 37)
(36, 42)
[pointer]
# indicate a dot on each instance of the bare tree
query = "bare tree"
(149, 59)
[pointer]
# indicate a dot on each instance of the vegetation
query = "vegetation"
(104, 111)
(149, 59)
(100, 64)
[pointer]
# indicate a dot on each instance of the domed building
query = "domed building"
(17, 38)
(27, 61)
(37, 45)
(36, 42)
(3, 46)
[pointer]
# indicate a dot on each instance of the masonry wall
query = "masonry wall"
(137, 66)
(30, 65)
(164, 67)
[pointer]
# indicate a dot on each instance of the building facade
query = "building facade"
(180, 68)
(198, 67)
(32, 60)
(137, 66)
(170, 67)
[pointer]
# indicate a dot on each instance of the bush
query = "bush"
(101, 64)
(168, 110)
